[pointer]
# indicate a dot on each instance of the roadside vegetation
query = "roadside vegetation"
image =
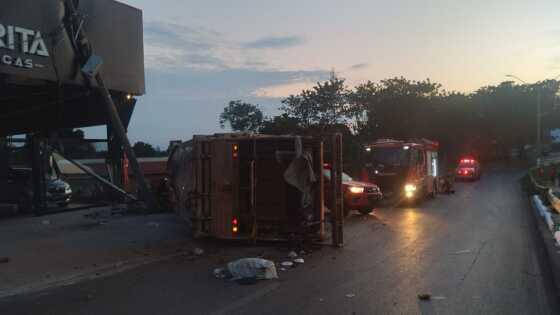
(488, 123)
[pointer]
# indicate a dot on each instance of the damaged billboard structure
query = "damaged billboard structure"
(68, 64)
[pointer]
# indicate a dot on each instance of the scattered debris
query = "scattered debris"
(287, 264)
(350, 295)
(292, 255)
(46, 222)
(252, 269)
(198, 251)
(465, 251)
(321, 299)
(283, 269)
(299, 261)
(4, 260)
(424, 296)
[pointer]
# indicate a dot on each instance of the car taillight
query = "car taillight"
(235, 151)
(234, 225)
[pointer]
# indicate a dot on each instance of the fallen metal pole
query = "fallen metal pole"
(120, 133)
(97, 177)
(92, 73)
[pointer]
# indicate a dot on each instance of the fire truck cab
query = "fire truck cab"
(404, 169)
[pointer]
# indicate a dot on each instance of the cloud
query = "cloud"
(193, 72)
(177, 46)
(359, 66)
(275, 42)
(179, 104)
(554, 63)
(196, 84)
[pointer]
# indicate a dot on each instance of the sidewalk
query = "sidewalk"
(43, 252)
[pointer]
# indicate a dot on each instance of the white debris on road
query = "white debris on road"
(252, 268)
(287, 264)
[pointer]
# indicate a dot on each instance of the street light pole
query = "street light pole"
(538, 140)
(539, 122)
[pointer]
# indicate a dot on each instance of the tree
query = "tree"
(299, 109)
(362, 101)
(325, 104)
(281, 125)
(142, 149)
(486, 123)
(242, 116)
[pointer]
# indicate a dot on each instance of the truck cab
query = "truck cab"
(404, 169)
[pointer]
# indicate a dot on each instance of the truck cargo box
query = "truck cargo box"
(240, 186)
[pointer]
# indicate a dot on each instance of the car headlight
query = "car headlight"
(356, 190)
(409, 188)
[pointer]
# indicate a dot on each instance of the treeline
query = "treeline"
(487, 123)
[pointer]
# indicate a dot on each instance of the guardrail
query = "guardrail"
(546, 192)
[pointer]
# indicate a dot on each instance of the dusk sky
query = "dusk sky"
(201, 54)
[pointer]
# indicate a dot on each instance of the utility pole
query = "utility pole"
(539, 123)
(538, 139)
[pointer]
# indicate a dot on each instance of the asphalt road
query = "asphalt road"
(475, 252)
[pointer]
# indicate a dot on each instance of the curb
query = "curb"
(73, 278)
(547, 246)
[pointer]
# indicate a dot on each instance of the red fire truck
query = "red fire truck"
(405, 169)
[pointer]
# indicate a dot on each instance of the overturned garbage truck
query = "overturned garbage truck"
(247, 186)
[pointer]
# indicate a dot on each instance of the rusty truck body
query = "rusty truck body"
(247, 186)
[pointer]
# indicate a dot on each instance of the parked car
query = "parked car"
(59, 192)
(16, 188)
(361, 196)
(468, 169)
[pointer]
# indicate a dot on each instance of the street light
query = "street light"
(539, 115)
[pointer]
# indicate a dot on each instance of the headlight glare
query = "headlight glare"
(409, 188)
(356, 190)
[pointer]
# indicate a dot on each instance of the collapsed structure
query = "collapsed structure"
(70, 64)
